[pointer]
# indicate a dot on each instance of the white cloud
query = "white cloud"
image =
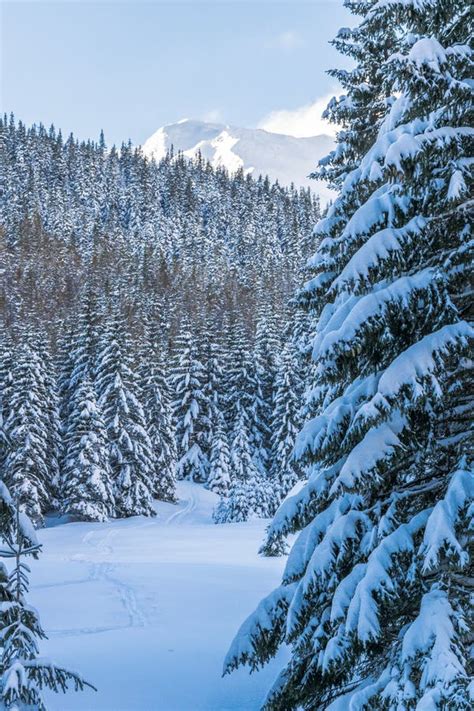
(286, 40)
(304, 121)
(213, 116)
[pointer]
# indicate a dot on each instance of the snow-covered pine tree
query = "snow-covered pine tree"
(244, 498)
(50, 397)
(190, 408)
(77, 354)
(6, 376)
(131, 456)
(64, 366)
(214, 361)
(219, 469)
(85, 342)
(298, 331)
(76, 367)
(375, 595)
(26, 471)
(249, 492)
(87, 491)
(23, 672)
(240, 380)
(241, 394)
(266, 357)
(285, 471)
(156, 398)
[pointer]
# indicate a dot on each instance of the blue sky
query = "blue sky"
(130, 67)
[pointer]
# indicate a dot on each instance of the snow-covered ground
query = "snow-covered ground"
(146, 608)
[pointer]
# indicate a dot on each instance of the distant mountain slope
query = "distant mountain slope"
(283, 158)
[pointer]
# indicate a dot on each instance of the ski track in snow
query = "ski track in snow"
(146, 608)
(181, 515)
(105, 571)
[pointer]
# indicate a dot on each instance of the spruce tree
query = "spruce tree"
(131, 456)
(50, 396)
(26, 471)
(156, 399)
(240, 381)
(285, 470)
(249, 490)
(375, 595)
(266, 357)
(64, 367)
(23, 672)
(190, 409)
(85, 342)
(219, 470)
(215, 362)
(6, 378)
(87, 480)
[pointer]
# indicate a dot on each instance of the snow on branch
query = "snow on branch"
(413, 367)
(430, 646)
(379, 248)
(252, 644)
(328, 428)
(446, 530)
(362, 615)
(311, 536)
(377, 446)
(368, 307)
(328, 554)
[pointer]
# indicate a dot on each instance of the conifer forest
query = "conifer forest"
(236, 445)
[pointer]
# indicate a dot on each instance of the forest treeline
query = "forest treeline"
(147, 328)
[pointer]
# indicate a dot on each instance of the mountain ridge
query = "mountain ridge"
(287, 159)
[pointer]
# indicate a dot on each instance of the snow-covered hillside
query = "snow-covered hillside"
(283, 158)
(146, 608)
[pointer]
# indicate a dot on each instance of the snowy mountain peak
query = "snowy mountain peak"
(259, 152)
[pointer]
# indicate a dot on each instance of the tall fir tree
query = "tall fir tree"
(156, 397)
(240, 379)
(266, 357)
(130, 450)
(64, 367)
(285, 470)
(220, 468)
(214, 362)
(83, 352)
(24, 674)
(375, 597)
(50, 396)
(87, 491)
(190, 409)
(6, 381)
(250, 493)
(247, 495)
(26, 469)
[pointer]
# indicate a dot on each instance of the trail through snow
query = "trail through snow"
(146, 608)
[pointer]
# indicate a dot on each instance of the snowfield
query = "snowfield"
(146, 608)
